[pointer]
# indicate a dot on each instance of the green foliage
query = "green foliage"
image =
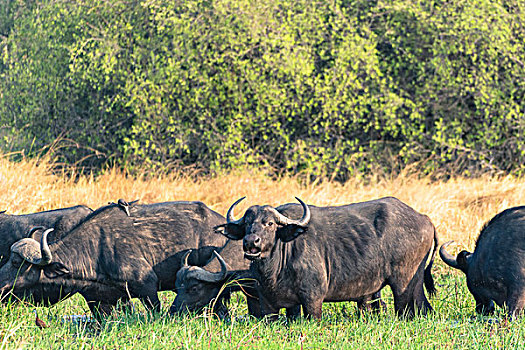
(333, 89)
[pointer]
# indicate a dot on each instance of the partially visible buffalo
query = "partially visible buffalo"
(343, 253)
(496, 269)
(111, 256)
(197, 287)
(16, 227)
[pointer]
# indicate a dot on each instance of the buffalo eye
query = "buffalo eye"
(269, 223)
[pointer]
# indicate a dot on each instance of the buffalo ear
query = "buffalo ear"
(232, 231)
(55, 270)
(290, 232)
(462, 260)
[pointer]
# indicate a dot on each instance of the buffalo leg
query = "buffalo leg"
(515, 302)
(147, 292)
(484, 306)
(412, 297)
(272, 313)
(254, 307)
(127, 307)
(267, 309)
(149, 297)
(485, 309)
(151, 302)
(371, 303)
(377, 304)
(101, 306)
(100, 309)
(269, 313)
(312, 308)
(312, 299)
(252, 299)
(364, 305)
(293, 313)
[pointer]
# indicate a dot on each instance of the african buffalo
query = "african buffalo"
(496, 269)
(16, 227)
(110, 256)
(343, 253)
(198, 287)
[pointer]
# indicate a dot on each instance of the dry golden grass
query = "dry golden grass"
(458, 207)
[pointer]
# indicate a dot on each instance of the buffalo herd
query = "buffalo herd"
(294, 257)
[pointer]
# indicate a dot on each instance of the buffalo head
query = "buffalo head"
(197, 287)
(27, 261)
(261, 226)
(461, 262)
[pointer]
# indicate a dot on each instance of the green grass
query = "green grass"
(454, 325)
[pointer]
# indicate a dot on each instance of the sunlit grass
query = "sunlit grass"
(453, 325)
(458, 208)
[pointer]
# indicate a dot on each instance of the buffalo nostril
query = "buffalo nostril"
(257, 240)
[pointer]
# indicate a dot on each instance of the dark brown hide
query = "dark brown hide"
(344, 253)
(111, 256)
(16, 227)
(496, 269)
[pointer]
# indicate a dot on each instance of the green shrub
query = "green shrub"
(325, 89)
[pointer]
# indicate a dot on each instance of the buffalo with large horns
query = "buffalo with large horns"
(212, 284)
(16, 227)
(496, 269)
(115, 254)
(198, 287)
(343, 253)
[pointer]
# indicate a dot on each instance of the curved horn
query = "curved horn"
(206, 276)
(302, 222)
(449, 259)
(224, 267)
(185, 259)
(33, 230)
(229, 214)
(47, 257)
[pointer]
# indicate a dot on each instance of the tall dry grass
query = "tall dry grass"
(458, 207)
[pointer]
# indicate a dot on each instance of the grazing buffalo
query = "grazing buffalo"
(496, 269)
(343, 253)
(117, 252)
(16, 227)
(197, 286)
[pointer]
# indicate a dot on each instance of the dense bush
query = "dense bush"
(323, 88)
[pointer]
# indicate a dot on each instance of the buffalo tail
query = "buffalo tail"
(428, 279)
